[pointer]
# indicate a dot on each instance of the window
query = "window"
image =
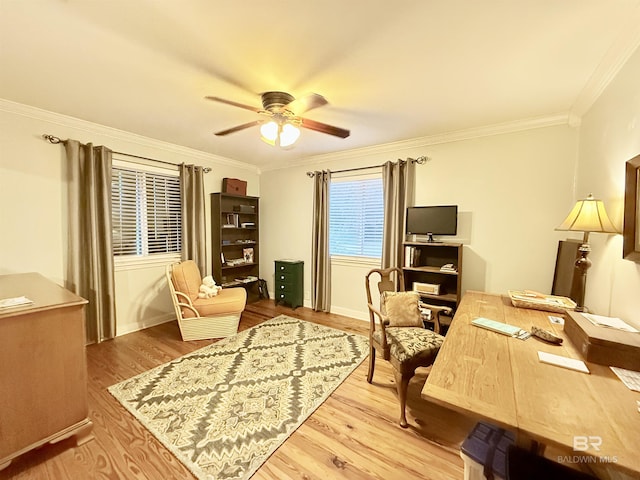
(356, 216)
(146, 210)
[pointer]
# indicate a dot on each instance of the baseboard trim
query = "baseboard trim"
(355, 314)
(135, 327)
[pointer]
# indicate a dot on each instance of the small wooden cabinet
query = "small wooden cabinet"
(289, 282)
(423, 265)
(235, 241)
(43, 373)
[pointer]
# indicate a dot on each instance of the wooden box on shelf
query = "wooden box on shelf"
(235, 241)
(234, 186)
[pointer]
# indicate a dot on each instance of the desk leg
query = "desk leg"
(527, 443)
(537, 448)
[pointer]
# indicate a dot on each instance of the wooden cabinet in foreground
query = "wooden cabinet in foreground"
(434, 270)
(43, 373)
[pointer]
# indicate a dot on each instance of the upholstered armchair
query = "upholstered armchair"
(397, 330)
(201, 318)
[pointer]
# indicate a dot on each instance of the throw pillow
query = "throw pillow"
(401, 308)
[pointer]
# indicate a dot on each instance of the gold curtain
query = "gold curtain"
(321, 261)
(397, 184)
(90, 271)
(193, 216)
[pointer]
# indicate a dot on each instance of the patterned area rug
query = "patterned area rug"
(224, 409)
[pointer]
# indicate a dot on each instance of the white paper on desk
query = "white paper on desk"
(611, 322)
(630, 378)
(565, 362)
(15, 302)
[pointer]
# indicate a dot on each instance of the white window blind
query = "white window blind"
(356, 215)
(146, 212)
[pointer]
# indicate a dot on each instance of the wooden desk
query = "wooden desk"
(499, 379)
(43, 376)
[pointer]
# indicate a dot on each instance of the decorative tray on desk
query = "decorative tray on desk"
(539, 301)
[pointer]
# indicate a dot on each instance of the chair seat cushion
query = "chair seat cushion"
(227, 301)
(413, 344)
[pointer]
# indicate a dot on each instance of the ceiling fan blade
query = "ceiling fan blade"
(239, 127)
(306, 103)
(235, 104)
(324, 128)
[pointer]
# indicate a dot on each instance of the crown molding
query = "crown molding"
(455, 136)
(122, 135)
(610, 65)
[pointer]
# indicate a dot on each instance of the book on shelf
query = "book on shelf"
(411, 256)
(233, 221)
(449, 267)
(233, 262)
(246, 278)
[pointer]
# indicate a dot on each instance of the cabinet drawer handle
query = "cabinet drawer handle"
(281, 267)
(282, 295)
(281, 287)
(282, 277)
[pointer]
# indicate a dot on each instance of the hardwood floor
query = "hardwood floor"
(353, 435)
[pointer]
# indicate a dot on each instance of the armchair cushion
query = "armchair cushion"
(228, 301)
(401, 308)
(186, 279)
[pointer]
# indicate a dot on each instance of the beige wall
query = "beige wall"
(609, 136)
(33, 212)
(512, 190)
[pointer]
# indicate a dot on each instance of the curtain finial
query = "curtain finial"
(51, 138)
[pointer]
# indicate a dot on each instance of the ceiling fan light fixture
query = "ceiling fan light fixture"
(283, 135)
(283, 128)
(269, 132)
(289, 135)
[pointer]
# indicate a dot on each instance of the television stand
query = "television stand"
(423, 262)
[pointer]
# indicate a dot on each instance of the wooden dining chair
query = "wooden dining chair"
(399, 333)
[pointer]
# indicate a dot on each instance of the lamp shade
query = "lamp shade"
(588, 215)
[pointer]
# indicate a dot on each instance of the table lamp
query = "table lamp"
(588, 215)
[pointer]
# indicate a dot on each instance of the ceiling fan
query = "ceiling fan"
(282, 112)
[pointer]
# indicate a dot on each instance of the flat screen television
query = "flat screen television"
(432, 220)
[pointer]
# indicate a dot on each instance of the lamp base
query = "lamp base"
(583, 263)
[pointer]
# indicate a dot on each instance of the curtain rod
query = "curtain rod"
(55, 140)
(420, 160)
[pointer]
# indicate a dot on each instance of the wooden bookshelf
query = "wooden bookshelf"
(235, 246)
(423, 262)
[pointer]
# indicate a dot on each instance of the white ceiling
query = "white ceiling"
(391, 71)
